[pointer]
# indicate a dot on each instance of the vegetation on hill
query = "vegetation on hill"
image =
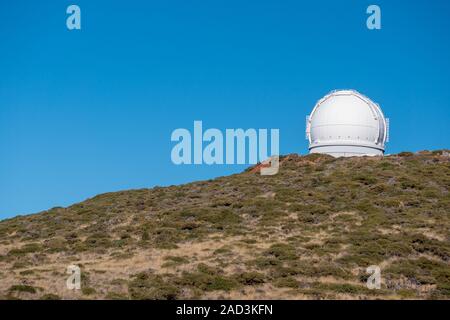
(308, 232)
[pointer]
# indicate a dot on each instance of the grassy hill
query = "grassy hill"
(308, 232)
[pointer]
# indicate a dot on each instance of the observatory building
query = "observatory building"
(346, 123)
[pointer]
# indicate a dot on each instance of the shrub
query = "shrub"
(173, 261)
(28, 248)
(88, 291)
(282, 251)
(287, 282)
(22, 288)
(147, 286)
(406, 293)
(250, 278)
(116, 296)
(145, 236)
(50, 296)
(207, 282)
(423, 271)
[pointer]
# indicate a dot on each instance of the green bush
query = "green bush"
(282, 251)
(250, 278)
(22, 288)
(287, 282)
(147, 286)
(88, 291)
(28, 248)
(206, 282)
(173, 261)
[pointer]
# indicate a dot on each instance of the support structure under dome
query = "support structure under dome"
(346, 123)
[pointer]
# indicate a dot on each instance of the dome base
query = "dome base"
(347, 151)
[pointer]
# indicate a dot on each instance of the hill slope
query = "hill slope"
(308, 232)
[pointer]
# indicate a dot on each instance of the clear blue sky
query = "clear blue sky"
(91, 111)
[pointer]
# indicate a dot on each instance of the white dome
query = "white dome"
(347, 123)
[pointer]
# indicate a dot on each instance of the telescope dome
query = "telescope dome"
(347, 123)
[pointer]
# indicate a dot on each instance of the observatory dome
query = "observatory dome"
(347, 123)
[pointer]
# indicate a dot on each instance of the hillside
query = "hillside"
(308, 232)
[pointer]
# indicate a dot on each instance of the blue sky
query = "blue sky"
(91, 111)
